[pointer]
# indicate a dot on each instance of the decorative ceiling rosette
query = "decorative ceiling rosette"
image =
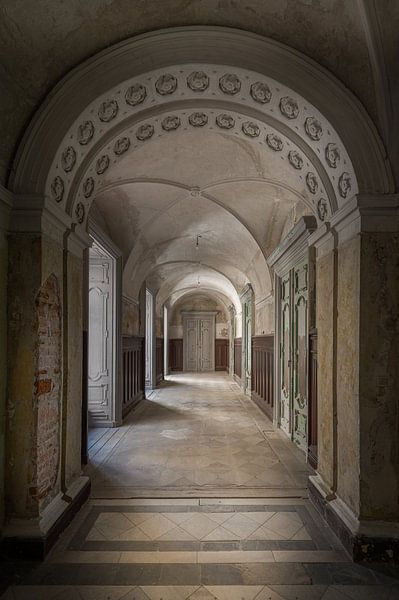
(333, 155)
(145, 132)
(121, 145)
(313, 128)
(322, 209)
(274, 142)
(135, 94)
(85, 132)
(251, 129)
(88, 187)
(166, 84)
(170, 123)
(198, 81)
(225, 121)
(57, 189)
(344, 184)
(230, 84)
(311, 182)
(80, 212)
(108, 111)
(260, 92)
(198, 119)
(295, 159)
(102, 164)
(289, 107)
(68, 159)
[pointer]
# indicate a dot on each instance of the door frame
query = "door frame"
(247, 305)
(199, 314)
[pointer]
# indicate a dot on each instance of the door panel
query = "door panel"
(192, 343)
(285, 356)
(300, 328)
(199, 343)
(205, 362)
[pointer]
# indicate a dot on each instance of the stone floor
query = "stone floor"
(198, 436)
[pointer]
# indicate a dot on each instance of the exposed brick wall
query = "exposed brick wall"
(46, 454)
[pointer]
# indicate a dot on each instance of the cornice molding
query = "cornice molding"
(293, 247)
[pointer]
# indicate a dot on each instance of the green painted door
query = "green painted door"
(299, 353)
(285, 354)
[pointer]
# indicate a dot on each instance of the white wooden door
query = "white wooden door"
(199, 343)
(206, 344)
(191, 344)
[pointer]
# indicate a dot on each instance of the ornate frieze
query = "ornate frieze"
(108, 111)
(170, 123)
(166, 84)
(68, 159)
(289, 107)
(198, 119)
(333, 155)
(274, 142)
(311, 182)
(295, 159)
(344, 184)
(251, 129)
(88, 187)
(102, 164)
(313, 128)
(57, 189)
(85, 132)
(145, 132)
(260, 92)
(135, 94)
(121, 145)
(225, 121)
(230, 84)
(322, 209)
(198, 81)
(80, 212)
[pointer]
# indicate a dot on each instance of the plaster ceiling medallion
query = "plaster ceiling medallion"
(145, 132)
(289, 107)
(198, 81)
(102, 164)
(85, 132)
(322, 209)
(333, 155)
(135, 94)
(313, 128)
(88, 187)
(250, 129)
(80, 212)
(311, 182)
(225, 121)
(121, 145)
(295, 159)
(260, 92)
(198, 119)
(170, 123)
(230, 84)
(274, 142)
(57, 189)
(68, 159)
(108, 111)
(344, 184)
(166, 84)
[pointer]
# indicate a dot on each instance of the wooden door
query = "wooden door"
(285, 355)
(206, 341)
(199, 343)
(191, 340)
(300, 355)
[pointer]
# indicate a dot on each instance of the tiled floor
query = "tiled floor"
(243, 547)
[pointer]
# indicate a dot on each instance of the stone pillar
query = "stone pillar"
(43, 467)
(357, 485)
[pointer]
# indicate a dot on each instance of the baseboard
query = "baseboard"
(267, 410)
(365, 541)
(237, 379)
(32, 539)
(135, 402)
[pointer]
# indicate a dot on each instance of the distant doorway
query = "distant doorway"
(199, 341)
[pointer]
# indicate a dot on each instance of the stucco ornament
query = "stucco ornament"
(68, 159)
(121, 145)
(80, 212)
(289, 107)
(344, 184)
(108, 111)
(198, 81)
(57, 189)
(166, 84)
(333, 155)
(260, 92)
(170, 123)
(313, 128)
(145, 132)
(274, 142)
(198, 119)
(230, 84)
(295, 159)
(102, 164)
(250, 129)
(135, 94)
(88, 187)
(85, 132)
(225, 121)
(311, 182)
(322, 209)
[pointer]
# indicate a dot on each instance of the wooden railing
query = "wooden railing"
(159, 359)
(221, 354)
(312, 406)
(133, 372)
(263, 372)
(176, 355)
(237, 358)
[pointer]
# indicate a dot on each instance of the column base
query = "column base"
(366, 541)
(32, 539)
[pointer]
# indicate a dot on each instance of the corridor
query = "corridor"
(198, 497)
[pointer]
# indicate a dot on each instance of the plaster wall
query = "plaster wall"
(264, 317)
(198, 303)
(130, 318)
(325, 329)
(3, 358)
(348, 321)
(379, 355)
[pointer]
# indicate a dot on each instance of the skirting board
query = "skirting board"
(362, 547)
